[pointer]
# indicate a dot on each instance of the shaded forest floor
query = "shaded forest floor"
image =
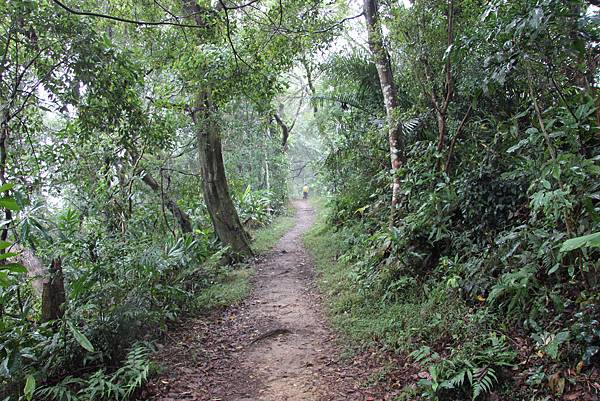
(274, 346)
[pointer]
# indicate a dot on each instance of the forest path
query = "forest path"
(276, 346)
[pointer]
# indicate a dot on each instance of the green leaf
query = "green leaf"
(29, 387)
(35, 223)
(531, 131)
(546, 184)
(556, 171)
(518, 146)
(579, 46)
(447, 52)
(81, 338)
(554, 268)
(9, 203)
(4, 256)
(6, 187)
(5, 281)
(14, 267)
(361, 210)
(586, 241)
(4, 245)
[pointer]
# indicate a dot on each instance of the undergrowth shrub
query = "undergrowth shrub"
(466, 372)
(119, 290)
(119, 385)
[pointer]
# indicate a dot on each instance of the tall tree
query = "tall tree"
(218, 200)
(390, 97)
(222, 211)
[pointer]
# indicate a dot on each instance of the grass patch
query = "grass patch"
(266, 237)
(232, 289)
(348, 309)
(334, 278)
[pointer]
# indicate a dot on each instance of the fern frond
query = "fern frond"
(412, 125)
(135, 371)
(485, 378)
(61, 391)
(459, 379)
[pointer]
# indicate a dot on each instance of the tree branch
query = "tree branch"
(285, 131)
(455, 137)
(228, 34)
(119, 19)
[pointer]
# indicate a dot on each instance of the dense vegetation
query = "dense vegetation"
(474, 277)
(456, 142)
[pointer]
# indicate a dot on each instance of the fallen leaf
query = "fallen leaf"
(424, 375)
(556, 383)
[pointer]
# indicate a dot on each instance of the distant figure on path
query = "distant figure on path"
(305, 192)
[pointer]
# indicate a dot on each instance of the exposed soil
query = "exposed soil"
(276, 346)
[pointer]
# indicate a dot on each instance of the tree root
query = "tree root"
(270, 333)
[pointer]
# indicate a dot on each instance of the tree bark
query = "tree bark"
(285, 132)
(184, 221)
(53, 293)
(222, 211)
(267, 175)
(442, 111)
(390, 97)
(286, 129)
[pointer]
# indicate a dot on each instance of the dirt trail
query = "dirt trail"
(287, 367)
(276, 346)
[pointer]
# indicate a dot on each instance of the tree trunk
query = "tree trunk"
(4, 134)
(222, 211)
(442, 109)
(309, 80)
(441, 123)
(35, 268)
(267, 175)
(53, 293)
(390, 97)
(216, 190)
(454, 139)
